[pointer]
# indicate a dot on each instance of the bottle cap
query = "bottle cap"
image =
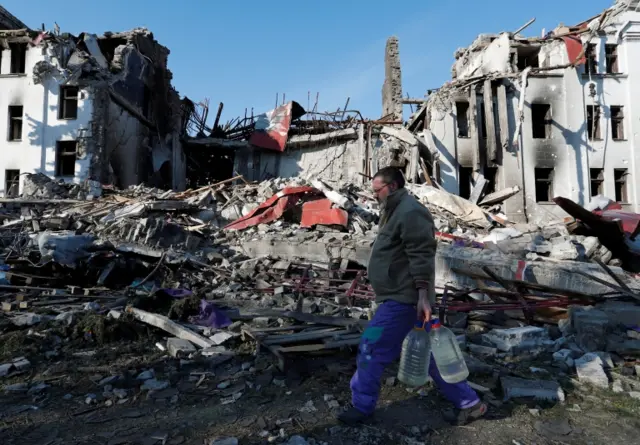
(435, 323)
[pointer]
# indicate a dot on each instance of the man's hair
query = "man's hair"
(391, 175)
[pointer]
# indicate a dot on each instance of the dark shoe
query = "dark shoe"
(467, 415)
(352, 416)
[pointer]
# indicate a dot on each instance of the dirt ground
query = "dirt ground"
(93, 396)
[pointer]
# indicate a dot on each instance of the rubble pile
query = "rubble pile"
(213, 277)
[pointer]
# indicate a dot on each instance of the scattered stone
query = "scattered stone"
(517, 339)
(617, 387)
(484, 351)
(90, 399)
(514, 387)
(297, 440)
(635, 395)
(179, 347)
(145, 375)
(67, 397)
(154, 385)
(391, 381)
(590, 370)
(535, 412)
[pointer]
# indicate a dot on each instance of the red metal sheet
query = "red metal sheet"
(319, 212)
(574, 50)
(629, 220)
(273, 208)
(272, 128)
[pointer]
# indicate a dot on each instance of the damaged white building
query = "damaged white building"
(87, 107)
(552, 116)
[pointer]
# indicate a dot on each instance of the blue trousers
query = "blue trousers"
(381, 344)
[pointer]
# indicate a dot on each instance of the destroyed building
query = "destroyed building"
(551, 115)
(87, 107)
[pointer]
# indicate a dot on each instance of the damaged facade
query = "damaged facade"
(87, 108)
(552, 116)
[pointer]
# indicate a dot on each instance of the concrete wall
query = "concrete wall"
(41, 126)
(568, 150)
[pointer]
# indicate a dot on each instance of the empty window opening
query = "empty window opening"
(146, 101)
(620, 177)
(593, 122)
(611, 53)
(68, 106)
(462, 117)
(66, 158)
(15, 122)
(544, 184)
(465, 177)
(483, 123)
(528, 57)
(11, 183)
(18, 57)
(491, 175)
(596, 176)
(617, 123)
(591, 59)
(541, 121)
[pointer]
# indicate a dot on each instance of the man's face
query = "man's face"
(381, 189)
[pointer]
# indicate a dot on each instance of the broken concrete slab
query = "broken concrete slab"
(179, 347)
(514, 387)
(517, 339)
(590, 370)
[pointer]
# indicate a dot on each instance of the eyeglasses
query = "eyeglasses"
(376, 191)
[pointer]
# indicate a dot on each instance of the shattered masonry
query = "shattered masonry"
(88, 107)
(550, 115)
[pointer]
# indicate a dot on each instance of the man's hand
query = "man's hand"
(424, 308)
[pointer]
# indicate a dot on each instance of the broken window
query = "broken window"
(465, 176)
(620, 176)
(544, 184)
(591, 59)
(15, 122)
(18, 57)
(483, 122)
(462, 117)
(11, 183)
(528, 57)
(66, 158)
(617, 123)
(68, 106)
(491, 175)
(541, 121)
(611, 54)
(596, 176)
(593, 122)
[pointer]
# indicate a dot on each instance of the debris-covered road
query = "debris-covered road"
(233, 311)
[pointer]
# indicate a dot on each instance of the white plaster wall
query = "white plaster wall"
(338, 162)
(568, 150)
(41, 126)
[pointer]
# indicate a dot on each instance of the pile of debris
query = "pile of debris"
(280, 266)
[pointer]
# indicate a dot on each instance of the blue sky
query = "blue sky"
(243, 53)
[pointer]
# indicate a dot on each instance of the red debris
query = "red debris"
(319, 212)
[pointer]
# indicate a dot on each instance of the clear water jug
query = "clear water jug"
(416, 353)
(447, 354)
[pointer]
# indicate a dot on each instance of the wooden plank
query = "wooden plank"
(303, 336)
(492, 148)
(167, 325)
(478, 189)
(305, 318)
(503, 118)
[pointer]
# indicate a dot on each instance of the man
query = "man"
(402, 274)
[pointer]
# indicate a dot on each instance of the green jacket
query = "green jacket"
(403, 255)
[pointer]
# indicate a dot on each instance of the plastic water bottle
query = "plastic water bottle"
(416, 353)
(447, 354)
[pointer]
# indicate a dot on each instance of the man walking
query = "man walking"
(402, 274)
